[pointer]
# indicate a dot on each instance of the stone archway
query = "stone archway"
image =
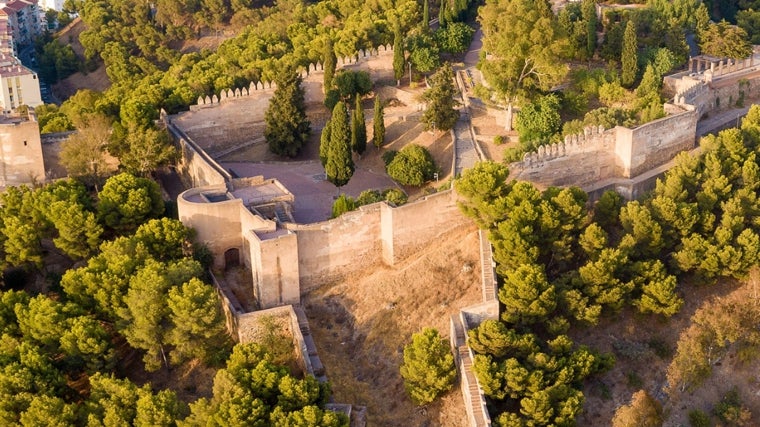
(231, 258)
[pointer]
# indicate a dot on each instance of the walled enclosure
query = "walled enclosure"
(287, 259)
(21, 159)
(621, 158)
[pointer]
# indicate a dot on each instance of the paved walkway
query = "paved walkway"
(466, 153)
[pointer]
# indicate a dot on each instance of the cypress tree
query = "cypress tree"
(425, 15)
(629, 55)
(443, 13)
(329, 62)
(287, 127)
(440, 113)
(378, 136)
(339, 166)
(358, 128)
(324, 143)
(589, 14)
(398, 57)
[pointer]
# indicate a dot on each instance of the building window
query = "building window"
(24, 143)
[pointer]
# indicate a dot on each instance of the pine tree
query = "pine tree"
(378, 136)
(398, 57)
(629, 55)
(328, 61)
(287, 128)
(428, 367)
(358, 128)
(339, 166)
(440, 113)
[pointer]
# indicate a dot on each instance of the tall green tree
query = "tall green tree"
(428, 369)
(440, 113)
(329, 62)
(588, 10)
(725, 40)
(425, 15)
(399, 63)
(146, 150)
(197, 324)
(339, 165)
(629, 56)
(539, 121)
(324, 143)
(127, 201)
(358, 128)
(378, 123)
(287, 127)
(525, 48)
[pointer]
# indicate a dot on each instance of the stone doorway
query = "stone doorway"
(231, 258)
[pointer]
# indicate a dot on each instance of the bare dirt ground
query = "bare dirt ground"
(96, 80)
(362, 324)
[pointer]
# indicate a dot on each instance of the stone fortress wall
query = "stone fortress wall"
(619, 158)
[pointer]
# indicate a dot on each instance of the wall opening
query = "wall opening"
(231, 258)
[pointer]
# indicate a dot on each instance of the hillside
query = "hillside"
(96, 80)
(362, 324)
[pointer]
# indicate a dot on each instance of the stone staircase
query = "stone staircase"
(281, 214)
(487, 268)
(311, 348)
(474, 400)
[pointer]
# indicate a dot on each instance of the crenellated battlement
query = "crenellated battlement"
(689, 95)
(361, 56)
(593, 138)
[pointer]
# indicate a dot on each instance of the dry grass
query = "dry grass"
(643, 347)
(361, 325)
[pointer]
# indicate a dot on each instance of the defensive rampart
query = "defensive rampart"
(622, 158)
(21, 159)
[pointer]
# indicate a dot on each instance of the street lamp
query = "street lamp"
(410, 74)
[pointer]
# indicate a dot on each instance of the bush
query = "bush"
(388, 157)
(513, 154)
(413, 165)
(342, 205)
(699, 418)
(731, 411)
(368, 197)
(428, 369)
(498, 139)
(395, 196)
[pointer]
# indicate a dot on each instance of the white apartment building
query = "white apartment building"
(18, 85)
(19, 20)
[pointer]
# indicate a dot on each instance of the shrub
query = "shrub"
(342, 204)
(731, 411)
(368, 197)
(513, 154)
(699, 418)
(388, 157)
(395, 196)
(413, 165)
(498, 139)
